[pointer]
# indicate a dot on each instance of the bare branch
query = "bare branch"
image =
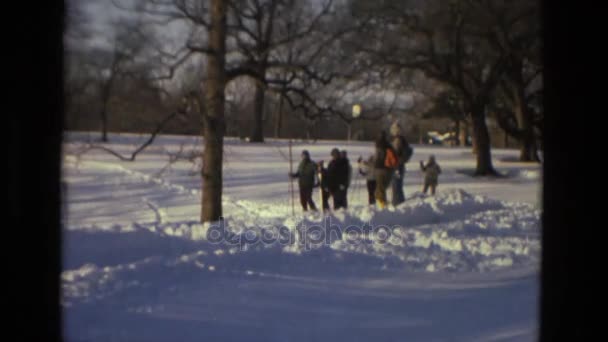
(174, 67)
(199, 49)
(532, 77)
(168, 14)
(142, 147)
(307, 31)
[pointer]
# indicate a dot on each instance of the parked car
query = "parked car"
(436, 138)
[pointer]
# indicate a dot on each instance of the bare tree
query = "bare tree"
(214, 127)
(106, 71)
(266, 36)
(454, 44)
(212, 22)
(518, 36)
(231, 50)
(79, 79)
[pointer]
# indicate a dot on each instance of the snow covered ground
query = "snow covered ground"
(138, 266)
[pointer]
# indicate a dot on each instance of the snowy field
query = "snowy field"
(138, 266)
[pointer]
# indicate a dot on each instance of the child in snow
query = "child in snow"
(366, 169)
(431, 174)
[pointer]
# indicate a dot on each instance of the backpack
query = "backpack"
(406, 151)
(390, 160)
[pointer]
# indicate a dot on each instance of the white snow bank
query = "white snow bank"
(454, 231)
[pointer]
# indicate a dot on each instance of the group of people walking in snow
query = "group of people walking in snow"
(383, 169)
(334, 180)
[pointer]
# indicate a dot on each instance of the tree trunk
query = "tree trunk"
(463, 133)
(105, 98)
(457, 129)
(309, 132)
(104, 124)
(349, 132)
(523, 115)
(474, 141)
(257, 135)
(214, 127)
(528, 152)
(279, 122)
(481, 141)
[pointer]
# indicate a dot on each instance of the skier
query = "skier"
(337, 179)
(349, 179)
(306, 181)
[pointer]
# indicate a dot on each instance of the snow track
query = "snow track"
(138, 266)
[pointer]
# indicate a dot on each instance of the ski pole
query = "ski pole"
(291, 179)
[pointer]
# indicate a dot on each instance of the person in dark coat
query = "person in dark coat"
(306, 181)
(349, 177)
(337, 174)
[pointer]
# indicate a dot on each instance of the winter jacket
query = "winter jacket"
(380, 156)
(398, 142)
(400, 145)
(322, 177)
(337, 174)
(431, 172)
(306, 173)
(366, 168)
(350, 174)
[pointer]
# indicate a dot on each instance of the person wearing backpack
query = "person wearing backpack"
(385, 164)
(404, 152)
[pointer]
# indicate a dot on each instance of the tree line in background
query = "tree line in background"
(294, 69)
